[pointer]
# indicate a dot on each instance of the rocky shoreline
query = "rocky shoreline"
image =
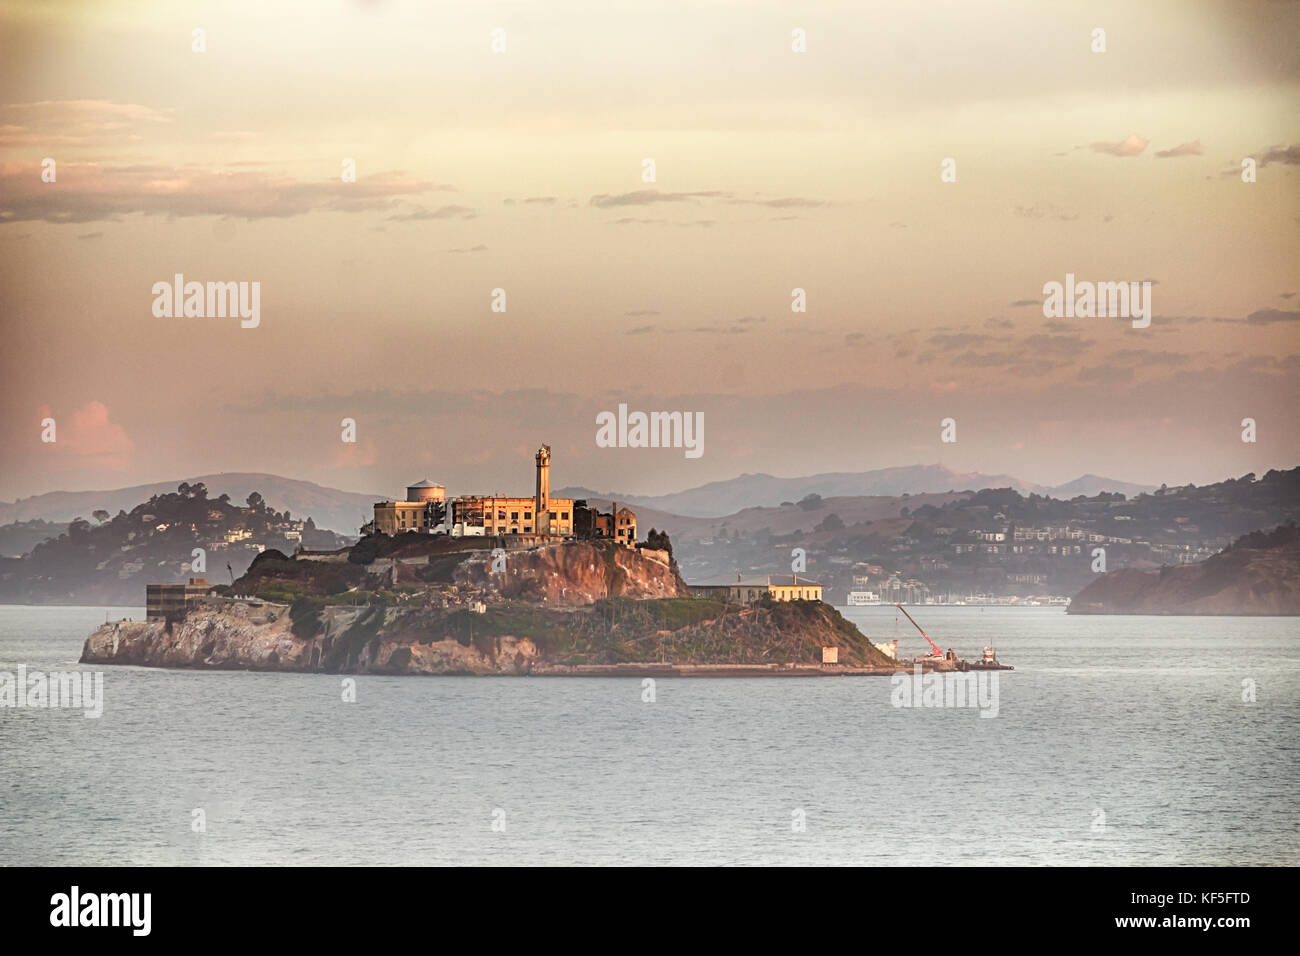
(422, 607)
(259, 636)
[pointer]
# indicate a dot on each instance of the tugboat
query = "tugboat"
(989, 661)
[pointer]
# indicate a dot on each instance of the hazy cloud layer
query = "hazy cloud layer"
(88, 192)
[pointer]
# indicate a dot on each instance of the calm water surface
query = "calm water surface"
(1121, 740)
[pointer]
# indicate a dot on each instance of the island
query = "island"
(421, 604)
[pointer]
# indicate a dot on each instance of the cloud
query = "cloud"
(959, 340)
(1024, 303)
(971, 359)
(541, 200)
(1149, 357)
(1056, 325)
(75, 123)
(1106, 374)
(647, 197)
(1182, 149)
(1040, 210)
(787, 202)
(1286, 155)
(640, 313)
(1270, 316)
(90, 192)
(1132, 145)
(421, 214)
(90, 434)
(1057, 343)
(653, 221)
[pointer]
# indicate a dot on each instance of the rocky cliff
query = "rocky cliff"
(1258, 575)
(572, 575)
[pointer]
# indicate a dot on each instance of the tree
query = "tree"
(100, 515)
(199, 490)
(78, 526)
(810, 502)
(183, 489)
(832, 522)
(255, 501)
(659, 541)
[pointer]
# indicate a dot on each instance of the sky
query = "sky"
(523, 169)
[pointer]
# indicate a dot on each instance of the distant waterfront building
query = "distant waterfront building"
(862, 599)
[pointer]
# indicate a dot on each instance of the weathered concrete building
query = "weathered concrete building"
(779, 587)
(169, 602)
(420, 511)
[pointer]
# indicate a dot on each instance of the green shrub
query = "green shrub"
(305, 615)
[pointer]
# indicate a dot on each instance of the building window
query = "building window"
(564, 516)
(528, 516)
(514, 516)
(527, 529)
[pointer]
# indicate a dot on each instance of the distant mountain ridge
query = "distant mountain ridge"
(341, 511)
(719, 498)
(346, 511)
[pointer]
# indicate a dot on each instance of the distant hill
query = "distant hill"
(1258, 574)
(20, 537)
(719, 498)
(1091, 485)
(341, 511)
(949, 544)
(112, 560)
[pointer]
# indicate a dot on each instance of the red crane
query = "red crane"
(934, 648)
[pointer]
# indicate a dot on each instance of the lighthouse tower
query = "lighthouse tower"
(543, 502)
